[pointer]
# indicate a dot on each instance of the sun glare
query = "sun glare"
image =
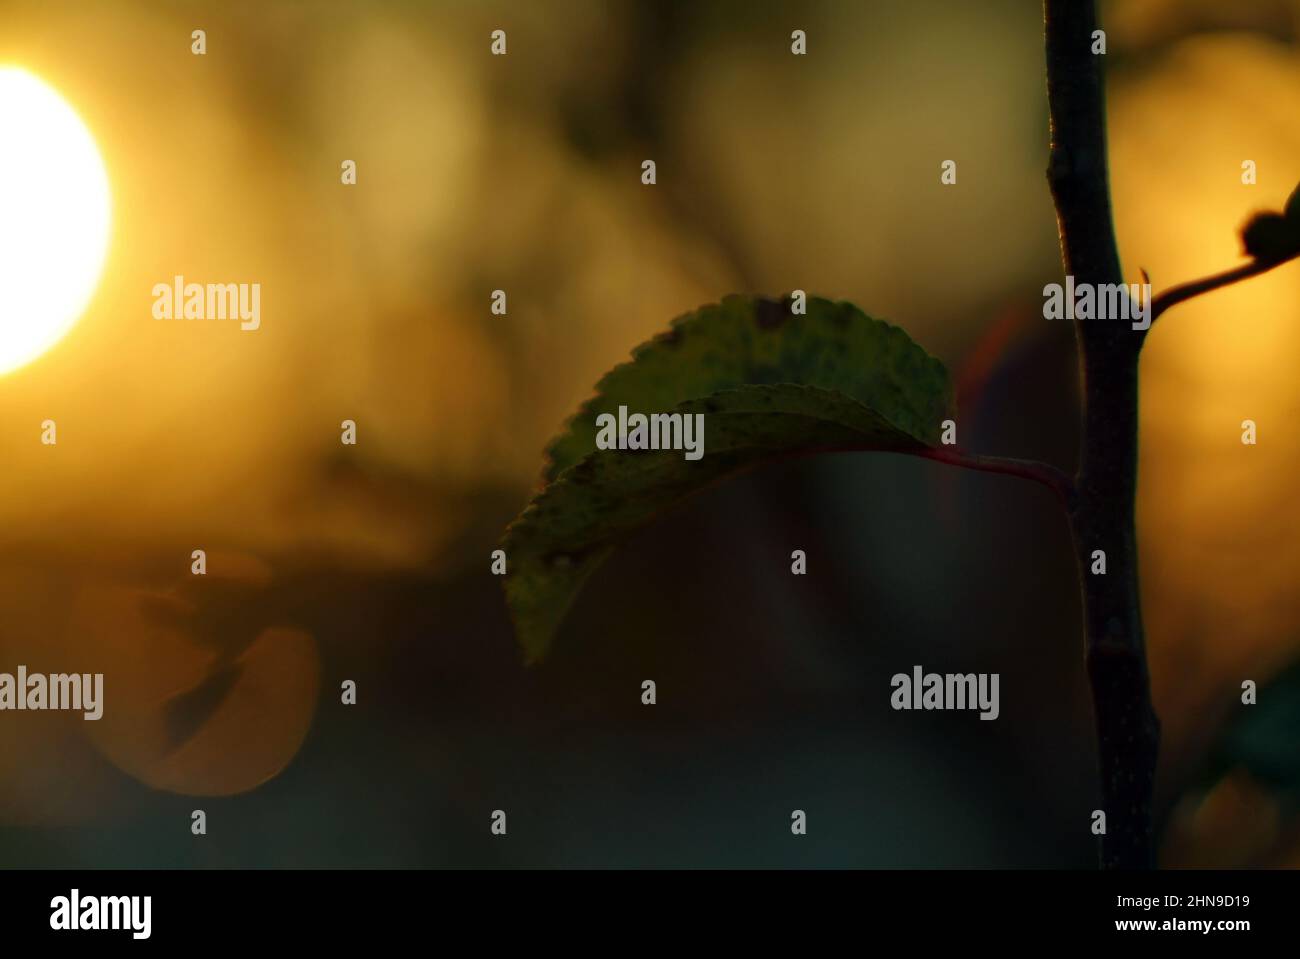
(54, 217)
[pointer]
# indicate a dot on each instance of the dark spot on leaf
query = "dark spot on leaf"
(670, 338)
(770, 314)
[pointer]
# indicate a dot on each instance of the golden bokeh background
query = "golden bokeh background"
(522, 173)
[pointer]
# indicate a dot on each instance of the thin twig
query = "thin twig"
(1057, 480)
(1177, 294)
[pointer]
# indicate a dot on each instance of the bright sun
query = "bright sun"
(54, 217)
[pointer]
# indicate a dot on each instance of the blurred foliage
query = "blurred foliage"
(1241, 809)
(1264, 738)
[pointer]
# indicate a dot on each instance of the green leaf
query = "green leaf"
(769, 384)
(748, 341)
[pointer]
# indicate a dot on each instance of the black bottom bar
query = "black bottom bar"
(332, 908)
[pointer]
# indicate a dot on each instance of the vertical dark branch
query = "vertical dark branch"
(1128, 733)
(1077, 166)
